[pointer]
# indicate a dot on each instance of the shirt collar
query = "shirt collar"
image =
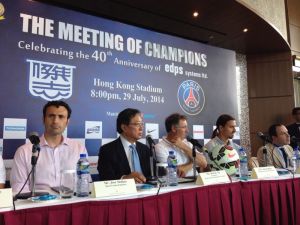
(125, 142)
(222, 142)
(43, 141)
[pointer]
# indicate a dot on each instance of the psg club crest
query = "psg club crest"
(50, 81)
(191, 97)
(2, 10)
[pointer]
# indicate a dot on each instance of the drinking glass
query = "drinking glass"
(161, 172)
(67, 183)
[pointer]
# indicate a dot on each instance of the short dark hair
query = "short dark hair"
(125, 117)
(295, 110)
(57, 104)
(221, 121)
(272, 129)
(173, 119)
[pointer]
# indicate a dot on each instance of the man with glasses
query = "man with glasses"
(125, 157)
(294, 129)
(177, 130)
(279, 151)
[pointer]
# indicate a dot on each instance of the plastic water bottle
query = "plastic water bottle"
(293, 160)
(83, 176)
(172, 169)
(297, 154)
(243, 169)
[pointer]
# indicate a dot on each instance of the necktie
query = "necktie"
(135, 160)
(284, 155)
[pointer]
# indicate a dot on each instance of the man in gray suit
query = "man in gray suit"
(279, 151)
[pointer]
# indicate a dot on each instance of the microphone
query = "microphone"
(34, 138)
(194, 142)
(295, 139)
(35, 141)
(264, 137)
(150, 140)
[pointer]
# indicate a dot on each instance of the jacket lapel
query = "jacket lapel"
(123, 158)
(278, 159)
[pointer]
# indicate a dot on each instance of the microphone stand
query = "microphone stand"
(33, 193)
(35, 149)
(265, 155)
(194, 162)
(152, 179)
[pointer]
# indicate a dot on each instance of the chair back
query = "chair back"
(253, 162)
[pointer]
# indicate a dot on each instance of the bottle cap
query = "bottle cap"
(82, 155)
(171, 152)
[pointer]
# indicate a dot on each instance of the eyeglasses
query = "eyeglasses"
(182, 127)
(142, 124)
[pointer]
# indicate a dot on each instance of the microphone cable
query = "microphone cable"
(28, 176)
(159, 186)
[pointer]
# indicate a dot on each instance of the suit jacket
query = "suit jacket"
(113, 162)
(294, 131)
(274, 158)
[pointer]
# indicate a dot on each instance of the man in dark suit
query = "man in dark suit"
(294, 128)
(125, 157)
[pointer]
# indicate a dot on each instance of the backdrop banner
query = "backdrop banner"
(99, 67)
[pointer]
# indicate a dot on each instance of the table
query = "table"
(268, 202)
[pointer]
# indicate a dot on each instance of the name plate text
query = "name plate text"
(113, 187)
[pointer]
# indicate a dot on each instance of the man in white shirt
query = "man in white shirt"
(57, 153)
(177, 130)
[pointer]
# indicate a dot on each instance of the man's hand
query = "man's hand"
(183, 169)
(178, 142)
(138, 178)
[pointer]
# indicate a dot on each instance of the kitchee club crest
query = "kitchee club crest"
(50, 81)
(191, 97)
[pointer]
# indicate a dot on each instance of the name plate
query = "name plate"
(264, 172)
(213, 177)
(113, 187)
(6, 198)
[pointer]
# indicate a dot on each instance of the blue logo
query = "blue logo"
(50, 81)
(95, 129)
(191, 97)
(14, 128)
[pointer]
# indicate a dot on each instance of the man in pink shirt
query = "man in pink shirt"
(57, 152)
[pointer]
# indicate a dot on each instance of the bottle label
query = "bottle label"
(83, 168)
(243, 159)
(172, 163)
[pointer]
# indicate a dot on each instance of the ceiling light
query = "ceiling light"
(245, 30)
(195, 14)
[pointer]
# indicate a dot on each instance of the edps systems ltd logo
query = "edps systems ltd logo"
(190, 97)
